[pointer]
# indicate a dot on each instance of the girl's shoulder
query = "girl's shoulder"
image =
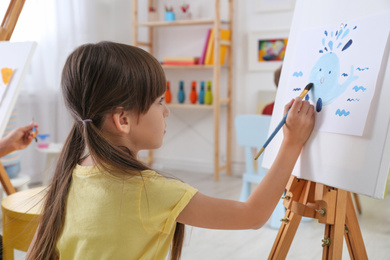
(96, 171)
(149, 178)
(155, 180)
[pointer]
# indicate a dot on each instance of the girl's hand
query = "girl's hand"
(299, 122)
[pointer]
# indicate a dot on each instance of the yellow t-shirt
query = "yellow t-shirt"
(110, 218)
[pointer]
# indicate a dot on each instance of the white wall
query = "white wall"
(189, 139)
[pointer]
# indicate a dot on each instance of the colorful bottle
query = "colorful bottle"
(208, 97)
(181, 96)
(168, 94)
(201, 93)
(193, 93)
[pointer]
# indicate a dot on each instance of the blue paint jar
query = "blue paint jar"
(169, 16)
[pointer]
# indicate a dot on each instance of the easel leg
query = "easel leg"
(332, 207)
(357, 203)
(353, 235)
(326, 242)
(5, 181)
(285, 236)
(335, 232)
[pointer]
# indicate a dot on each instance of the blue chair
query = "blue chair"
(252, 132)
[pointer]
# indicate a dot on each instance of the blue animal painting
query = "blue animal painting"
(325, 74)
(344, 62)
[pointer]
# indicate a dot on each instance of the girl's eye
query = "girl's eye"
(161, 100)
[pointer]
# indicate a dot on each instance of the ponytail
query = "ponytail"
(53, 215)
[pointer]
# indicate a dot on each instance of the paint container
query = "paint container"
(43, 140)
(169, 16)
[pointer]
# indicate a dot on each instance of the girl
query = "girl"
(105, 204)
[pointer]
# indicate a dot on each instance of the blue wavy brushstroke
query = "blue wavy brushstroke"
(356, 88)
(344, 75)
(342, 112)
(298, 74)
(353, 99)
(296, 89)
(362, 69)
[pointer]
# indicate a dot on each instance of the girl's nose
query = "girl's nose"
(166, 111)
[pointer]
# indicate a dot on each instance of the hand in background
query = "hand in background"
(17, 139)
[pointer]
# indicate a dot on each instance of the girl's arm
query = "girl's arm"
(209, 212)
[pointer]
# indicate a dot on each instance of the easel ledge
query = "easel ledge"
(332, 207)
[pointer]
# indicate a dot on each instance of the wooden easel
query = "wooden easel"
(332, 207)
(10, 19)
(6, 30)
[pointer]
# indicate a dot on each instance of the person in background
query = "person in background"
(268, 109)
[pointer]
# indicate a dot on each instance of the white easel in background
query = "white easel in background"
(6, 30)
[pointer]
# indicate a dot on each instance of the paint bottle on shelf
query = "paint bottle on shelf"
(201, 93)
(168, 94)
(181, 96)
(193, 93)
(208, 97)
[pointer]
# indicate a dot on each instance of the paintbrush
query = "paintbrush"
(280, 125)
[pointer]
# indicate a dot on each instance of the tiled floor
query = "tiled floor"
(256, 244)
(204, 244)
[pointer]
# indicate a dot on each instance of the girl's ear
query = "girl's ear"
(122, 120)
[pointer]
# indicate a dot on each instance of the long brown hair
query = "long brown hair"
(96, 79)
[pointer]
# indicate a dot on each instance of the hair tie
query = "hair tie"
(86, 120)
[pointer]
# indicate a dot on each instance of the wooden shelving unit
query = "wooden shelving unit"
(216, 69)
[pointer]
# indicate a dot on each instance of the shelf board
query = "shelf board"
(180, 23)
(223, 102)
(190, 66)
(196, 106)
(187, 66)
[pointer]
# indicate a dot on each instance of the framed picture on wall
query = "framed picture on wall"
(263, 6)
(266, 49)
